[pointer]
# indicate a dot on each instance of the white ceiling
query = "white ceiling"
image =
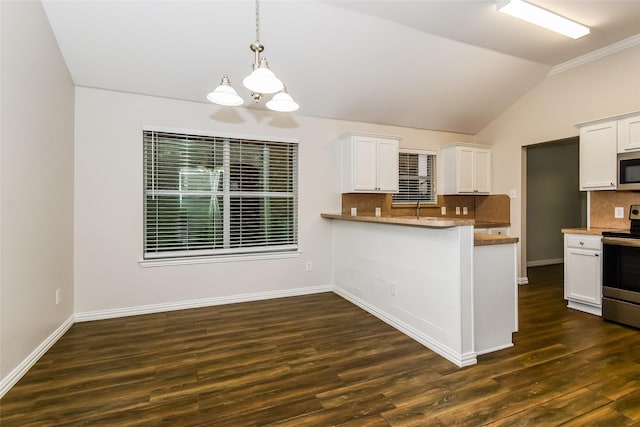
(443, 65)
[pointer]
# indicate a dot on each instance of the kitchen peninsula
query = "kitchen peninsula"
(431, 278)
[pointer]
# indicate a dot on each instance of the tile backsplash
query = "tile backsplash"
(603, 204)
(489, 208)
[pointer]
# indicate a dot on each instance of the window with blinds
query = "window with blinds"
(209, 195)
(416, 176)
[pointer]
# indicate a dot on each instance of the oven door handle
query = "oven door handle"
(620, 241)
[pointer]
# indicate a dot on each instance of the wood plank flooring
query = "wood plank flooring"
(320, 361)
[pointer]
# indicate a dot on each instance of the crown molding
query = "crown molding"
(596, 54)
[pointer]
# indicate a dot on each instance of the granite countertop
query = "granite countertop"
(594, 231)
(430, 222)
(480, 239)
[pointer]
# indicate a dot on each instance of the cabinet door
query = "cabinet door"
(598, 158)
(629, 134)
(584, 277)
(465, 170)
(364, 163)
(387, 156)
(482, 171)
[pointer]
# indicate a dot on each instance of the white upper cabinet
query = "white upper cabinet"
(629, 134)
(598, 156)
(600, 142)
(466, 169)
(369, 163)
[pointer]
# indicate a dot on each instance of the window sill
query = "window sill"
(219, 258)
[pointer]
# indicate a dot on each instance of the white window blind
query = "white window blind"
(208, 195)
(417, 177)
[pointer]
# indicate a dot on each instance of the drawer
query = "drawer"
(584, 242)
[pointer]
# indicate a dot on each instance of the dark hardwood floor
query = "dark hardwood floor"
(320, 361)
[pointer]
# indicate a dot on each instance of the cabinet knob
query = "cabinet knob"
(581, 243)
(597, 254)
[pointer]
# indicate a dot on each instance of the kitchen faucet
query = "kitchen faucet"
(418, 210)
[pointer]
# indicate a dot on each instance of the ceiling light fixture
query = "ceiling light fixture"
(542, 17)
(260, 82)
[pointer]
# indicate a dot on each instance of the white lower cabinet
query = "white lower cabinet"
(583, 272)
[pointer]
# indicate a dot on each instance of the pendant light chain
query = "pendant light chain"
(257, 22)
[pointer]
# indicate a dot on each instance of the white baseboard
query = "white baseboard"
(18, 372)
(454, 357)
(491, 350)
(585, 307)
(542, 262)
(204, 302)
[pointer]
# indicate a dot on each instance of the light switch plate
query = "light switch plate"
(618, 212)
(443, 210)
(457, 210)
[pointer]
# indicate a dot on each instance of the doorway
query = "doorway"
(553, 199)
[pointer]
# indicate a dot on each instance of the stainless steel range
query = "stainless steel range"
(621, 273)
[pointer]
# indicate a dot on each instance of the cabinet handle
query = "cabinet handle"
(581, 243)
(597, 254)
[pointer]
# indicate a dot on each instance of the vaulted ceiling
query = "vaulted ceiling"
(442, 65)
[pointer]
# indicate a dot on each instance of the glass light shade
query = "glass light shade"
(282, 102)
(262, 80)
(225, 95)
(542, 17)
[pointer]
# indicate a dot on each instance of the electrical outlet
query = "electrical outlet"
(618, 212)
(457, 210)
(465, 210)
(309, 266)
(443, 210)
(394, 289)
(58, 296)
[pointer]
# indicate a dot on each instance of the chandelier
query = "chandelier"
(262, 81)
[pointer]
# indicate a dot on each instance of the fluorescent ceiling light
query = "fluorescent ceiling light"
(542, 17)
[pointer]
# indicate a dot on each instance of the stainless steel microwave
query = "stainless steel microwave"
(629, 171)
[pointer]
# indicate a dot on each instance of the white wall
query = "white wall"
(108, 192)
(36, 184)
(602, 88)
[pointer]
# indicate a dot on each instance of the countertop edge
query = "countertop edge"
(482, 239)
(593, 231)
(428, 222)
(479, 239)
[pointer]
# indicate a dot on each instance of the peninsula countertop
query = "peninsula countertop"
(593, 231)
(480, 239)
(431, 222)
